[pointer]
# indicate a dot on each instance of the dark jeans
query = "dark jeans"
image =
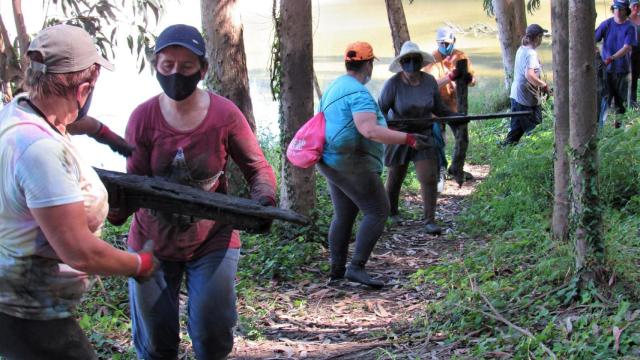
(350, 194)
(211, 307)
(521, 125)
(635, 73)
(23, 339)
(617, 90)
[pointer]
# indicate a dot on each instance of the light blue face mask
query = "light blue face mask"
(445, 50)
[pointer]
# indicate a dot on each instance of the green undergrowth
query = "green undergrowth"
(525, 276)
(104, 312)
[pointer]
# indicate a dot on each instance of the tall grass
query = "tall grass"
(528, 277)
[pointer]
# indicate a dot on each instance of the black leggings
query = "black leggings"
(22, 339)
(427, 172)
(350, 194)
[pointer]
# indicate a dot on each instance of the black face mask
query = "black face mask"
(411, 65)
(84, 110)
(178, 86)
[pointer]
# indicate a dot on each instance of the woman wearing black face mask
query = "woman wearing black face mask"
(412, 93)
(186, 135)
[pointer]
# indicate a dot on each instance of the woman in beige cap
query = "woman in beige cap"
(52, 204)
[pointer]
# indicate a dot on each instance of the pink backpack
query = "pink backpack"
(305, 149)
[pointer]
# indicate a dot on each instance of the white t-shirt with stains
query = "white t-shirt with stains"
(40, 168)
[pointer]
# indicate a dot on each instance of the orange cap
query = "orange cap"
(359, 51)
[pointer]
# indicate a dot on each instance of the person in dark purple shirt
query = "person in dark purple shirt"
(618, 35)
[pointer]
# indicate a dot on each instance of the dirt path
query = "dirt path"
(343, 320)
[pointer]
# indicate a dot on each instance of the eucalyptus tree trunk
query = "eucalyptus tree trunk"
(397, 23)
(560, 46)
(511, 29)
(589, 243)
(520, 16)
(297, 186)
(225, 51)
(227, 74)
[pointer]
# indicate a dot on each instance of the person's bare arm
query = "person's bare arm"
(65, 227)
(366, 123)
(624, 50)
(534, 79)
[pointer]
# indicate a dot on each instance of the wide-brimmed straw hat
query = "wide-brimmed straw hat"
(410, 48)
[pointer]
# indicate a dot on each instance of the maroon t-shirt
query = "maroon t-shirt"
(195, 157)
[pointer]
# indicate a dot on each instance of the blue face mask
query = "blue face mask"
(445, 49)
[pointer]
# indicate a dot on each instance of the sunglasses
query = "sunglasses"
(407, 59)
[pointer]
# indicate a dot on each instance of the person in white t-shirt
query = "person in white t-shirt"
(52, 204)
(527, 87)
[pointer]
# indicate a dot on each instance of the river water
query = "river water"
(335, 23)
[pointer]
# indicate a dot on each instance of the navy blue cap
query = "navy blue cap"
(181, 35)
(620, 3)
(535, 30)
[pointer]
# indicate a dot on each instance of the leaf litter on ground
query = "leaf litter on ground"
(319, 319)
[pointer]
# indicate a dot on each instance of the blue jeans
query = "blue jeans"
(211, 307)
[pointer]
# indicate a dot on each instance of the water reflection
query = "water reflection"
(335, 23)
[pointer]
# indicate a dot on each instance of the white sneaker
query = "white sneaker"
(441, 181)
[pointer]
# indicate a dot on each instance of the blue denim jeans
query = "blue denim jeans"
(211, 307)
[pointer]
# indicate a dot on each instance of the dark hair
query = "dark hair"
(626, 8)
(530, 39)
(153, 59)
(356, 65)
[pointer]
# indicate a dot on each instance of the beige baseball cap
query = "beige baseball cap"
(65, 49)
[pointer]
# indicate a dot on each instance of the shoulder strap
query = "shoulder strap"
(340, 98)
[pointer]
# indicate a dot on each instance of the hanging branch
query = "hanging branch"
(275, 63)
(9, 68)
(100, 18)
(316, 86)
(21, 29)
(532, 5)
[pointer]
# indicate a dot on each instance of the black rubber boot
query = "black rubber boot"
(356, 273)
(433, 229)
(337, 271)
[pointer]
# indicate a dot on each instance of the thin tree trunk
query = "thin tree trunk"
(297, 191)
(316, 86)
(23, 36)
(397, 23)
(560, 45)
(228, 68)
(510, 33)
(589, 243)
